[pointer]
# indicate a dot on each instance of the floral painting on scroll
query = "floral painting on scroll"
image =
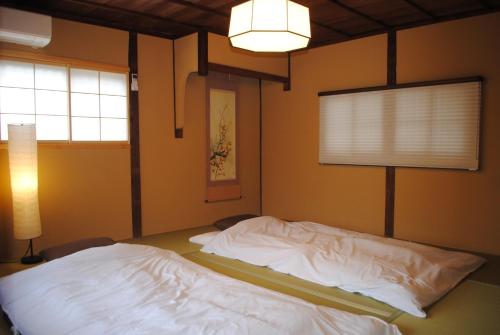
(222, 118)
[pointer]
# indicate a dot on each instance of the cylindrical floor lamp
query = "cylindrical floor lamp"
(23, 165)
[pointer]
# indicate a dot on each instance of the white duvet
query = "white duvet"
(406, 275)
(135, 289)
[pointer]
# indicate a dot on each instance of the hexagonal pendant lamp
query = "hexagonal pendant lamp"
(269, 26)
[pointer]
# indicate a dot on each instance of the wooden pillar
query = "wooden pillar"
(390, 171)
(135, 156)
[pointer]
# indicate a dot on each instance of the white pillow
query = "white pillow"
(204, 238)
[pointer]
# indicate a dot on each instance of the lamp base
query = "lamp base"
(33, 259)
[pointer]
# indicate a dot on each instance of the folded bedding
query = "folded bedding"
(406, 275)
(137, 289)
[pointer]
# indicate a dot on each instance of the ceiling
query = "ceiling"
(332, 21)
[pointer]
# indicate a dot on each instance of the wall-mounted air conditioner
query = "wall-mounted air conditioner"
(25, 28)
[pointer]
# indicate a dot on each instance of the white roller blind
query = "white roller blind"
(430, 126)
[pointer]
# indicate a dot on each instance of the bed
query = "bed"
(408, 276)
(138, 289)
(472, 307)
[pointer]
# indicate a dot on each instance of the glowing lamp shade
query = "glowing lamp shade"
(269, 26)
(23, 165)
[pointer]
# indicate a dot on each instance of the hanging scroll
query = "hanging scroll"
(222, 137)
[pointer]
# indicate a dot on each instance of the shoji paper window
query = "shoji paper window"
(99, 110)
(425, 126)
(66, 104)
(34, 93)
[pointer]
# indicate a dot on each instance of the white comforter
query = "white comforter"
(135, 289)
(406, 275)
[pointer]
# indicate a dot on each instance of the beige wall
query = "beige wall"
(221, 52)
(444, 207)
(83, 41)
(174, 170)
(295, 186)
(86, 192)
(454, 208)
(83, 192)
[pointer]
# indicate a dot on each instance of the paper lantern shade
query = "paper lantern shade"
(23, 166)
(269, 26)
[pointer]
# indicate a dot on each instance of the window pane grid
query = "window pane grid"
(89, 117)
(100, 108)
(44, 96)
(101, 94)
(50, 77)
(70, 133)
(113, 109)
(33, 114)
(17, 74)
(33, 89)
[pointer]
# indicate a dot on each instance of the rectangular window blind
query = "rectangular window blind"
(425, 126)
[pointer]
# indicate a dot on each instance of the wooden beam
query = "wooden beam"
(43, 8)
(221, 9)
(403, 85)
(410, 25)
(246, 73)
(203, 53)
(391, 59)
(359, 13)
(288, 85)
(390, 171)
(178, 132)
(440, 19)
(420, 9)
(124, 11)
(260, 146)
(135, 155)
(34, 6)
(335, 30)
(486, 4)
(218, 12)
(200, 7)
(390, 186)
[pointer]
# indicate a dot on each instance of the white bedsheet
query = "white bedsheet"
(406, 275)
(135, 289)
(204, 238)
